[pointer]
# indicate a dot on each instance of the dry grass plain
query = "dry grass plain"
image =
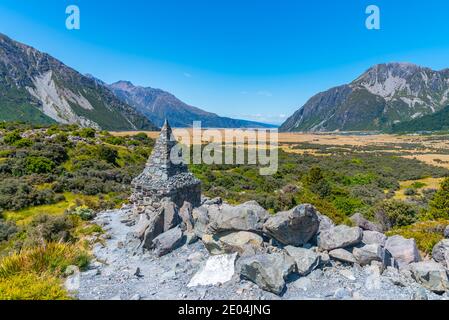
(431, 149)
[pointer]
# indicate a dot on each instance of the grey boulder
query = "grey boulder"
(325, 222)
(154, 229)
(171, 215)
(372, 252)
(168, 241)
(268, 271)
(241, 242)
(306, 260)
(295, 227)
(431, 275)
(342, 255)
(446, 232)
(440, 252)
(185, 213)
(249, 216)
(360, 221)
(339, 237)
(374, 237)
(404, 251)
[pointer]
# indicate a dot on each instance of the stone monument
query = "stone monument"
(164, 177)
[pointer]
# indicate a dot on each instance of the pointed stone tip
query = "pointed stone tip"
(166, 125)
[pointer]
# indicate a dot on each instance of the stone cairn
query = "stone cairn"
(164, 195)
(164, 180)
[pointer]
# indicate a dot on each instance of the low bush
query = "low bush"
(30, 286)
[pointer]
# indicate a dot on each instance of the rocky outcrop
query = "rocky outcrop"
(404, 251)
(340, 237)
(295, 227)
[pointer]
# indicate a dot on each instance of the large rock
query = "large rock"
(154, 229)
(369, 253)
(295, 227)
(217, 270)
(404, 251)
(201, 221)
(168, 241)
(268, 271)
(240, 242)
(325, 222)
(374, 237)
(342, 255)
(440, 252)
(171, 215)
(339, 237)
(360, 221)
(142, 226)
(249, 216)
(306, 260)
(431, 275)
(185, 213)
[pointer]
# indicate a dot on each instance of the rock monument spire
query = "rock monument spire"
(164, 177)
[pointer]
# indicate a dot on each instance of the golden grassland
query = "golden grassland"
(427, 183)
(421, 147)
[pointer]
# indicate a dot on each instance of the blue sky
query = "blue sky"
(249, 59)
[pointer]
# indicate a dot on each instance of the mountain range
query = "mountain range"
(35, 87)
(158, 105)
(383, 96)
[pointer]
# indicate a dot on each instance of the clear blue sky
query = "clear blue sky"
(253, 59)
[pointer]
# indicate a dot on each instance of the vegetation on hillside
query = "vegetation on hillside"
(438, 121)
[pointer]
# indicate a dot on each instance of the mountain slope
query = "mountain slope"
(437, 121)
(38, 88)
(384, 95)
(158, 105)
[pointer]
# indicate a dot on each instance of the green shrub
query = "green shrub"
(7, 229)
(12, 137)
(107, 154)
(39, 165)
(85, 213)
(394, 213)
(23, 143)
(87, 133)
(45, 228)
(439, 206)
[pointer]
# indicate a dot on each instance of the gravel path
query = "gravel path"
(120, 273)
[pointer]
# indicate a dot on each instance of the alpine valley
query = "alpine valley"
(385, 95)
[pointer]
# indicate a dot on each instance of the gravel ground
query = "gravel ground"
(120, 273)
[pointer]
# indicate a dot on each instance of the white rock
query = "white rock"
(217, 270)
